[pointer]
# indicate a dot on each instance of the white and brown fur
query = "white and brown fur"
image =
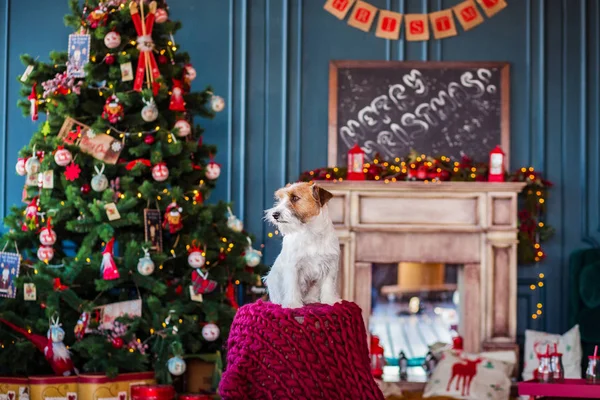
(306, 270)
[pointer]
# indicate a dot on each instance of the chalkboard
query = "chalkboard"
(435, 108)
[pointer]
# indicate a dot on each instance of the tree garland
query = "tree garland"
(533, 230)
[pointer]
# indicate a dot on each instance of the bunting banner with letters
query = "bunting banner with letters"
(417, 27)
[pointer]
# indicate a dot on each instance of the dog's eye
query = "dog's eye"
(295, 198)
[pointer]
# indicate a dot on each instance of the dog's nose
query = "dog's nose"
(276, 215)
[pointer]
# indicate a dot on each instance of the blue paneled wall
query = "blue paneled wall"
(269, 59)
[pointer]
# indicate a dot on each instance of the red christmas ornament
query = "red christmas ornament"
(162, 59)
(51, 345)
(113, 110)
(179, 290)
(118, 343)
(34, 103)
(72, 172)
(201, 283)
(497, 165)
(356, 160)
(173, 219)
(58, 286)
(108, 266)
(85, 188)
(110, 59)
(97, 17)
(149, 139)
(177, 102)
(222, 257)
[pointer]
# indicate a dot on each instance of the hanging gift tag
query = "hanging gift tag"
(153, 229)
(9, 271)
(29, 292)
(26, 74)
(126, 72)
(79, 55)
(111, 212)
(48, 180)
(32, 180)
(195, 297)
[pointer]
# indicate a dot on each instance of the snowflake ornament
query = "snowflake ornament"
(116, 146)
(72, 172)
(90, 134)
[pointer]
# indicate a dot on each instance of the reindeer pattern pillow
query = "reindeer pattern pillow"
(468, 376)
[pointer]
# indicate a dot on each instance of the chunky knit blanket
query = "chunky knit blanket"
(314, 352)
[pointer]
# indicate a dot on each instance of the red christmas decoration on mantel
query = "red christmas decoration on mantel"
(497, 165)
(356, 159)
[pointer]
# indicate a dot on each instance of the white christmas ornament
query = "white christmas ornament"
(161, 16)
(33, 165)
(213, 170)
(99, 181)
(210, 332)
(20, 167)
(217, 103)
(160, 172)
(63, 157)
(112, 40)
(145, 264)
(149, 112)
(252, 256)
(47, 235)
(176, 366)
(184, 128)
(234, 222)
(190, 72)
(195, 257)
(45, 253)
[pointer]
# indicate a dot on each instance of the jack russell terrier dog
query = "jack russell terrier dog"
(306, 270)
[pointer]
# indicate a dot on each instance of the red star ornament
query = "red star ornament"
(72, 172)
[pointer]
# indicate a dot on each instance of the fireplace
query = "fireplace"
(470, 224)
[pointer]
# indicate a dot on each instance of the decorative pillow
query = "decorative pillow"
(470, 377)
(569, 345)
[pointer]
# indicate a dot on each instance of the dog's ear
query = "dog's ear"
(321, 195)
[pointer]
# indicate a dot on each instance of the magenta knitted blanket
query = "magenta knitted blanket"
(314, 352)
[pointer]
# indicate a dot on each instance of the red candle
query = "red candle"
(152, 392)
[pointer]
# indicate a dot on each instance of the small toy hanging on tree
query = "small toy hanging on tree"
(53, 347)
(34, 103)
(177, 102)
(173, 219)
(196, 258)
(108, 266)
(113, 110)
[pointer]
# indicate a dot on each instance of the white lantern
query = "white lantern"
(160, 172)
(176, 366)
(184, 128)
(63, 157)
(33, 165)
(149, 112)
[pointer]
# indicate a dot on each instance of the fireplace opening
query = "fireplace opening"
(414, 306)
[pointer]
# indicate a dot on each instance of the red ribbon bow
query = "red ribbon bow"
(146, 47)
(130, 165)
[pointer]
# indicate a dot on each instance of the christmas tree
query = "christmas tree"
(115, 252)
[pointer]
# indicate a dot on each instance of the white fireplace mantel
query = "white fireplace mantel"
(469, 223)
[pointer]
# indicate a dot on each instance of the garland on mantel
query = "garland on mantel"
(533, 230)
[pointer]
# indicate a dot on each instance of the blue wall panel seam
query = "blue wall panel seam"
(563, 130)
(284, 90)
(266, 125)
(439, 42)
(542, 86)
(244, 72)
(388, 42)
(231, 102)
(583, 170)
(4, 134)
(401, 44)
(425, 47)
(299, 89)
(528, 66)
(597, 37)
